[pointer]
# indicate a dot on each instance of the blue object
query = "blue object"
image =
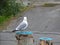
(24, 32)
(45, 38)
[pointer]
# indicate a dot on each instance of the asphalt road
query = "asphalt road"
(44, 19)
(41, 19)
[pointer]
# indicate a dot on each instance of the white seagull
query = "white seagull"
(22, 26)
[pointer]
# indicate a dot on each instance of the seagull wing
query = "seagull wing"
(21, 26)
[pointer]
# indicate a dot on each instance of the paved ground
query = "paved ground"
(41, 19)
(44, 19)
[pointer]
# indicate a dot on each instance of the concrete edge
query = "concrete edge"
(34, 32)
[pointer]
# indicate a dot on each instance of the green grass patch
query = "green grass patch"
(3, 19)
(49, 5)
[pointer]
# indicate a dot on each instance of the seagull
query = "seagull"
(22, 26)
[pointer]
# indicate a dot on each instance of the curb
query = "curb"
(34, 32)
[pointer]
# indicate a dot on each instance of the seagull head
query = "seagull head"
(25, 18)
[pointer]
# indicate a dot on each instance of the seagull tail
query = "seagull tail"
(15, 30)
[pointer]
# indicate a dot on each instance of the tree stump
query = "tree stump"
(45, 41)
(24, 38)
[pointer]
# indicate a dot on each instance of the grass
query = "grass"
(2, 19)
(49, 5)
(4, 22)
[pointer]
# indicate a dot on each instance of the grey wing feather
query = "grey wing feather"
(21, 26)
